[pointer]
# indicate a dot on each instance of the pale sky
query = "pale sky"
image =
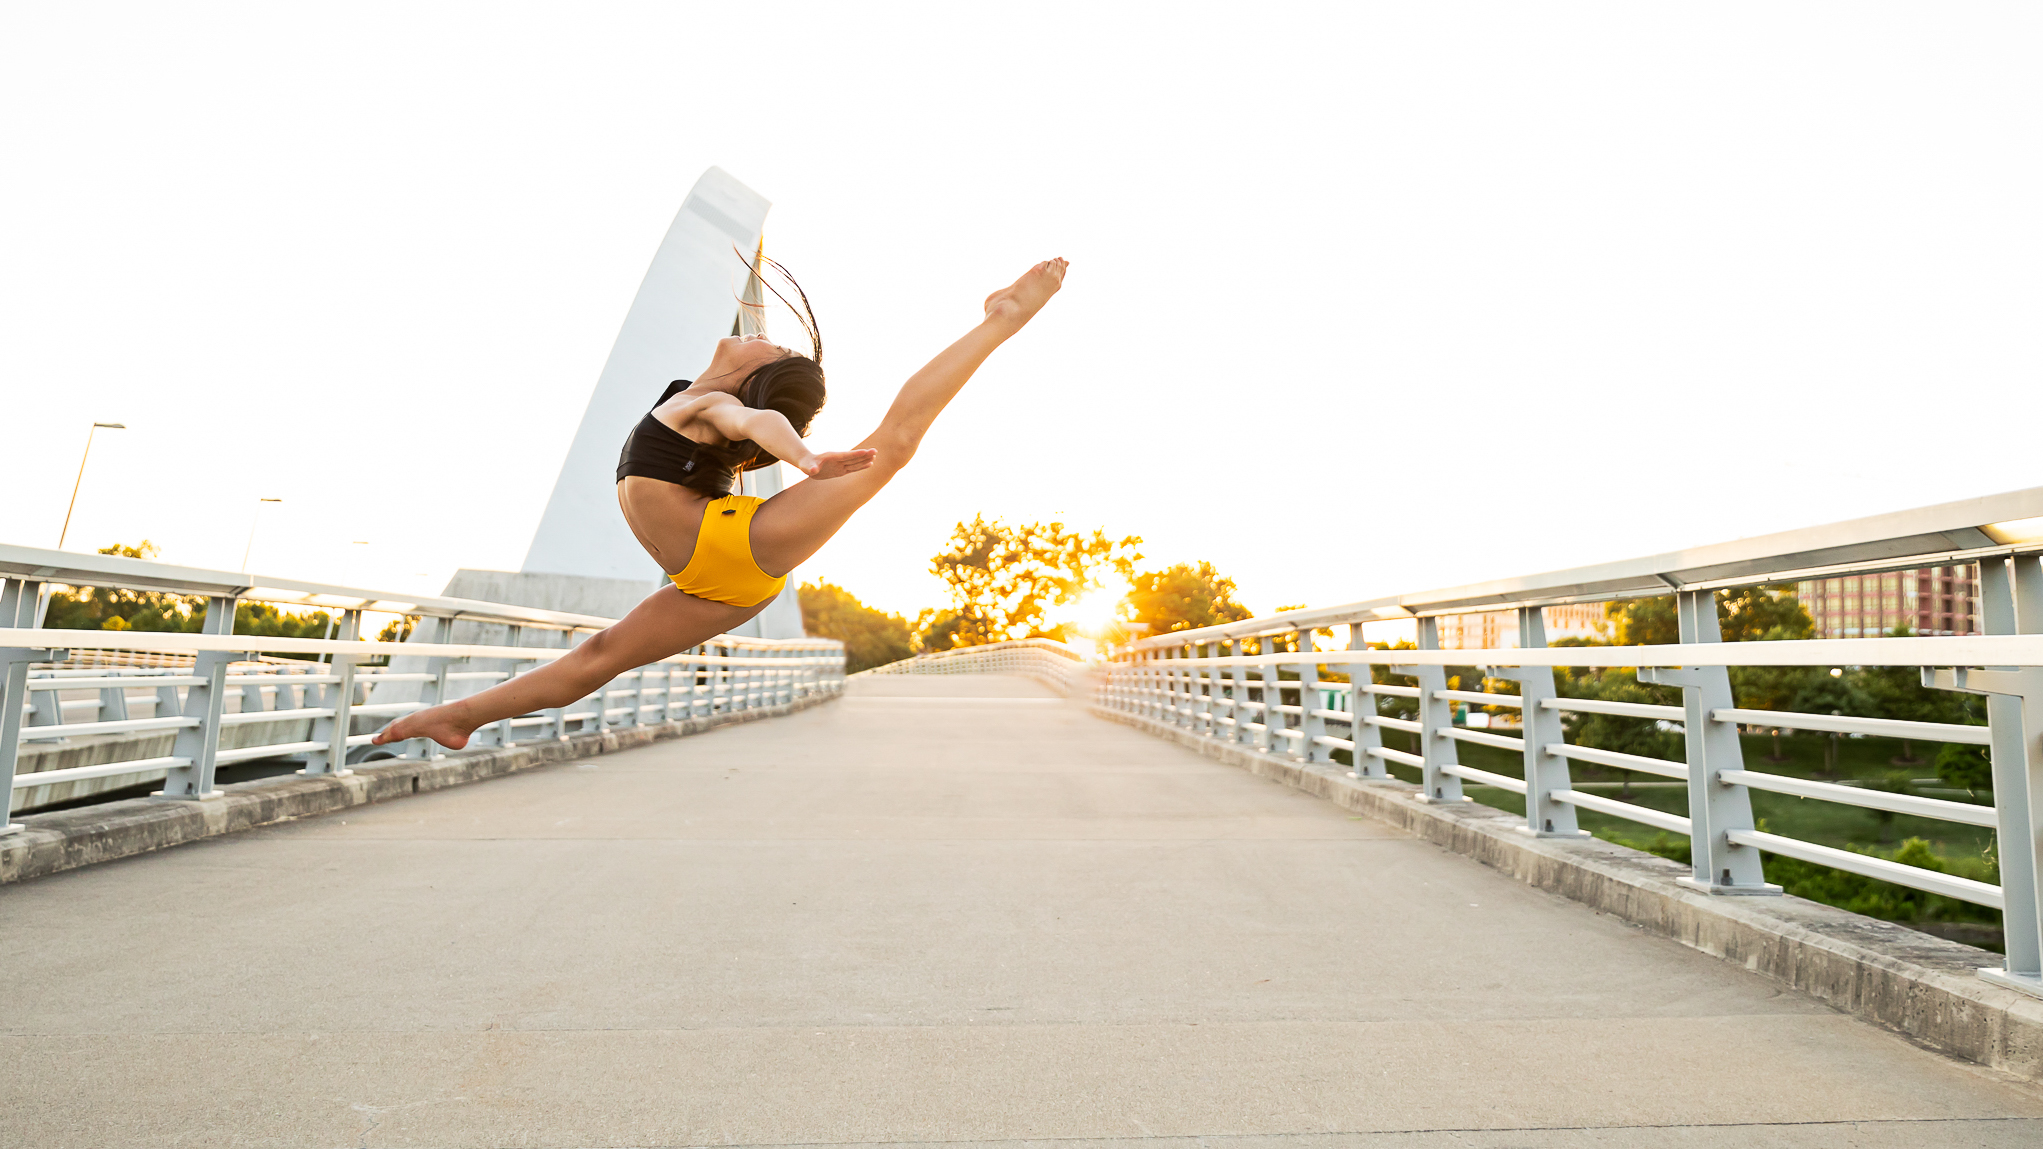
(1364, 298)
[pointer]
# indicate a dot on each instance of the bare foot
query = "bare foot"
(443, 724)
(1019, 302)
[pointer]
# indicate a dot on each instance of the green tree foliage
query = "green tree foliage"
(1182, 597)
(870, 637)
(107, 608)
(1964, 766)
(1747, 614)
(1004, 579)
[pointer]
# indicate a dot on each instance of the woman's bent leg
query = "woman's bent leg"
(666, 623)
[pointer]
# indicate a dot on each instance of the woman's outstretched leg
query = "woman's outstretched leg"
(795, 523)
(666, 623)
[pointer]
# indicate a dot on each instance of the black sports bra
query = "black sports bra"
(656, 451)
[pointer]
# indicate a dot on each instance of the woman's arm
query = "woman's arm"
(771, 430)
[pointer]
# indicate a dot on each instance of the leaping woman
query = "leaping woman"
(729, 555)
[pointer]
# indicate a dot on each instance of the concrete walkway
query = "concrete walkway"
(938, 910)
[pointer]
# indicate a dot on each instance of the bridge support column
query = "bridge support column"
(1272, 679)
(2011, 602)
(199, 744)
(1544, 773)
(1208, 691)
(341, 700)
(1310, 723)
(1715, 808)
(1436, 718)
(1367, 735)
(14, 664)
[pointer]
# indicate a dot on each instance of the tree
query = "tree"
(1898, 692)
(1182, 597)
(1748, 614)
(1832, 693)
(109, 608)
(1004, 579)
(870, 637)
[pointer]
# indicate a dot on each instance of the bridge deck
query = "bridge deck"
(941, 909)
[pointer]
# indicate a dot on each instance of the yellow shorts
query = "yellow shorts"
(722, 568)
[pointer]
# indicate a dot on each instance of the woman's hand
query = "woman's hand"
(837, 464)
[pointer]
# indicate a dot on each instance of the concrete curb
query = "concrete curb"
(1921, 986)
(68, 839)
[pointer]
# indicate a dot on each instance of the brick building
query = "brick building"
(1934, 600)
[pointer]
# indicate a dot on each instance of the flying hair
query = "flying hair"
(804, 315)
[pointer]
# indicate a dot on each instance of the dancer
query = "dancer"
(728, 555)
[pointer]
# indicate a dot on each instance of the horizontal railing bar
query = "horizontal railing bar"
(1940, 650)
(1482, 738)
(1389, 755)
(1627, 810)
(102, 770)
(1639, 762)
(246, 716)
(112, 683)
(1966, 812)
(281, 679)
(1480, 698)
(1846, 724)
(116, 726)
(175, 642)
(1623, 709)
(1501, 781)
(375, 708)
(1393, 723)
(1336, 743)
(250, 753)
(378, 676)
(478, 675)
(1914, 877)
(1392, 691)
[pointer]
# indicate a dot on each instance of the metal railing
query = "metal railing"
(1283, 702)
(217, 704)
(1059, 665)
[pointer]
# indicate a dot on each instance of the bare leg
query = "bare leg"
(795, 523)
(666, 623)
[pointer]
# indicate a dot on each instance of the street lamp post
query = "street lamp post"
(42, 597)
(252, 523)
(80, 481)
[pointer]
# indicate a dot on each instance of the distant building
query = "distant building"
(1934, 600)
(1496, 629)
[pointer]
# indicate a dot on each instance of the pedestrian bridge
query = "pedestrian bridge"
(998, 896)
(956, 908)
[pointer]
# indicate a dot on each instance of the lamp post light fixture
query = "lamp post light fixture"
(253, 522)
(80, 480)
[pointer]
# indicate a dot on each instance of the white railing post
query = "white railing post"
(1238, 703)
(1715, 808)
(14, 664)
(2011, 602)
(1367, 735)
(341, 697)
(1436, 718)
(432, 692)
(1179, 694)
(199, 745)
(1272, 741)
(1310, 723)
(719, 680)
(1544, 773)
(1204, 680)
